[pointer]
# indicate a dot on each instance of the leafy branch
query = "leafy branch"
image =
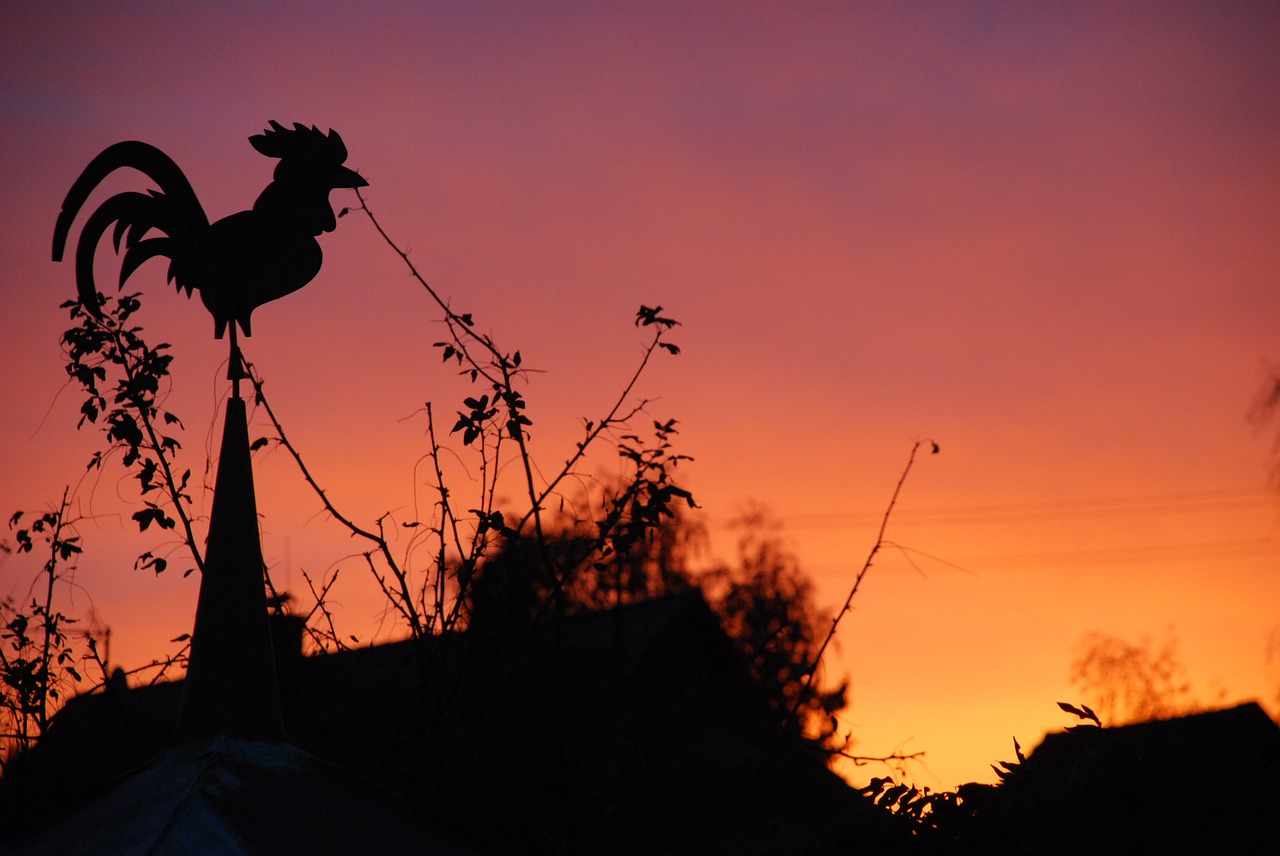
(106, 343)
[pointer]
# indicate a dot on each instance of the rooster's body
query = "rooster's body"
(237, 263)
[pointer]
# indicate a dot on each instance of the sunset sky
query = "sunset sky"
(1044, 236)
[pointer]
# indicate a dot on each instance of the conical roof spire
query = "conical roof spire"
(231, 686)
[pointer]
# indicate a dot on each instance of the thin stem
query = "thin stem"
(408, 610)
(857, 582)
(447, 518)
(50, 621)
(455, 321)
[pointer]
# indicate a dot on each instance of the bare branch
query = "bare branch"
(862, 572)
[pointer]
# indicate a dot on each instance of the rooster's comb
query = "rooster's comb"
(301, 143)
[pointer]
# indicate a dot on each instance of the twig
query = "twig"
(890, 759)
(322, 606)
(378, 539)
(857, 582)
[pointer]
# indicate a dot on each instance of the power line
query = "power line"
(1056, 559)
(1137, 506)
(1149, 554)
(1195, 502)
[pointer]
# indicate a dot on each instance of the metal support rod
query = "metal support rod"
(235, 369)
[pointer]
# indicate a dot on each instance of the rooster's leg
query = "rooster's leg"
(235, 368)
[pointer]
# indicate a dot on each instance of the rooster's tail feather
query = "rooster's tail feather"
(174, 210)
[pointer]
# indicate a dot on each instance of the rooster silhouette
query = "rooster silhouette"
(237, 263)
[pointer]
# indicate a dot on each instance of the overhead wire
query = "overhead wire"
(1195, 502)
(1186, 503)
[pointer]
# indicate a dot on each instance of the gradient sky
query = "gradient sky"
(1046, 236)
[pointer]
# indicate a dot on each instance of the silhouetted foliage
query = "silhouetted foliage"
(39, 657)
(122, 377)
(493, 427)
(46, 654)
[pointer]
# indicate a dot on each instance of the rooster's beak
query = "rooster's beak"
(343, 177)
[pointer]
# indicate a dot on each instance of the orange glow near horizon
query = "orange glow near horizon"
(1048, 239)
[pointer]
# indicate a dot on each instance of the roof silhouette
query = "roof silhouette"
(636, 730)
(1208, 782)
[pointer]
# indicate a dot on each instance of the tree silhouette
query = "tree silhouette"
(763, 600)
(766, 605)
(1265, 409)
(1128, 682)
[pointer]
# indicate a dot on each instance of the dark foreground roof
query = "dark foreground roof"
(245, 797)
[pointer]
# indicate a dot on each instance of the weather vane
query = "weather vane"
(237, 263)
